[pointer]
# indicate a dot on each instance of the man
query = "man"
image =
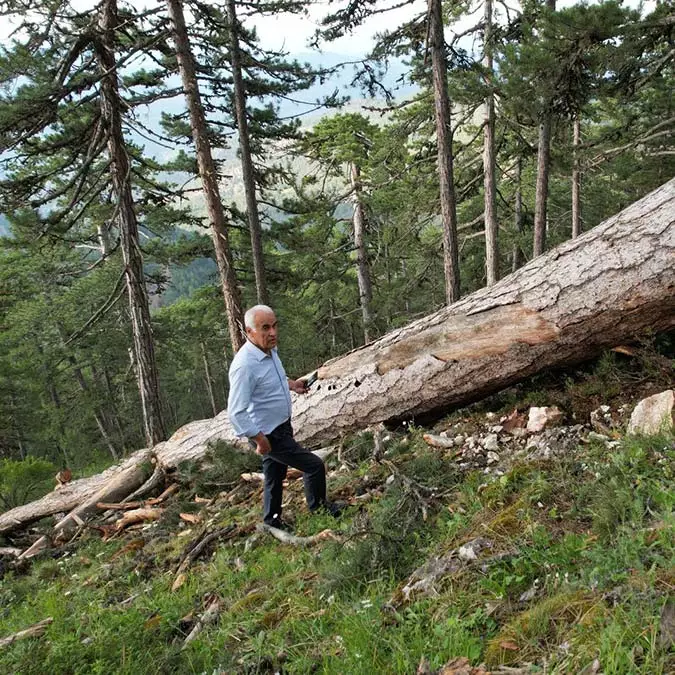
(259, 407)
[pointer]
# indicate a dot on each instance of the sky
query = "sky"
(292, 32)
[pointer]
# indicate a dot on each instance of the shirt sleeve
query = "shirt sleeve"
(241, 387)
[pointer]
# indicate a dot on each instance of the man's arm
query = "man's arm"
(241, 387)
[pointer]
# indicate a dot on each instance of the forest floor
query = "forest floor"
(506, 552)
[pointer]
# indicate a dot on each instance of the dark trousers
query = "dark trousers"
(287, 452)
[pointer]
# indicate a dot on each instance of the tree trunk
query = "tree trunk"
(148, 383)
(439, 68)
(541, 196)
(116, 488)
(17, 428)
(208, 378)
(98, 416)
(576, 180)
(246, 161)
(543, 167)
(518, 218)
(209, 176)
(112, 405)
(362, 273)
(489, 178)
(588, 294)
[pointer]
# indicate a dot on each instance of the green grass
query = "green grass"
(592, 532)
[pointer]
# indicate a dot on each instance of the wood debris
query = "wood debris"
(195, 548)
(209, 616)
(36, 630)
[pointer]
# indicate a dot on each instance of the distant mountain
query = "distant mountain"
(303, 103)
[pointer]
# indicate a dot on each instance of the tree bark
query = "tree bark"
(439, 68)
(566, 306)
(541, 196)
(489, 178)
(246, 160)
(148, 383)
(362, 272)
(576, 180)
(208, 175)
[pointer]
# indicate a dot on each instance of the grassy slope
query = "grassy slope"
(586, 535)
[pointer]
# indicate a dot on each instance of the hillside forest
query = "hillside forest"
(129, 249)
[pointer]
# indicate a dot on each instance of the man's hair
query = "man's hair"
(249, 317)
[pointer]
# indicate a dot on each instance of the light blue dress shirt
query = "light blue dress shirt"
(259, 399)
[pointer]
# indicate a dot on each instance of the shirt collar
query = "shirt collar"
(258, 353)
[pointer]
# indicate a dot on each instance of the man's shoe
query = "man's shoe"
(279, 524)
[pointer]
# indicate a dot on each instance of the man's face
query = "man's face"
(264, 334)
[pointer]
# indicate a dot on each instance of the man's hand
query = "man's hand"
(298, 386)
(262, 444)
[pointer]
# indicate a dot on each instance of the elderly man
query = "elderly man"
(259, 407)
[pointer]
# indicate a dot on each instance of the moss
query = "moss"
(540, 627)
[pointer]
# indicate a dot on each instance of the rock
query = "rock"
(459, 440)
(492, 457)
(654, 415)
(471, 549)
(601, 419)
(540, 418)
(491, 442)
(467, 552)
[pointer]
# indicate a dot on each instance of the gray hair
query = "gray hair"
(249, 317)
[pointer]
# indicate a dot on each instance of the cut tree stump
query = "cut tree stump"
(588, 294)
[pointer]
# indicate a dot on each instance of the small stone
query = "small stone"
(467, 553)
(491, 442)
(492, 457)
(390, 479)
(458, 440)
(491, 417)
(654, 415)
(540, 418)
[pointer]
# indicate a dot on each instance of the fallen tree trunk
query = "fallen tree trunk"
(116, 488)
(566, 306)
(586, 295)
